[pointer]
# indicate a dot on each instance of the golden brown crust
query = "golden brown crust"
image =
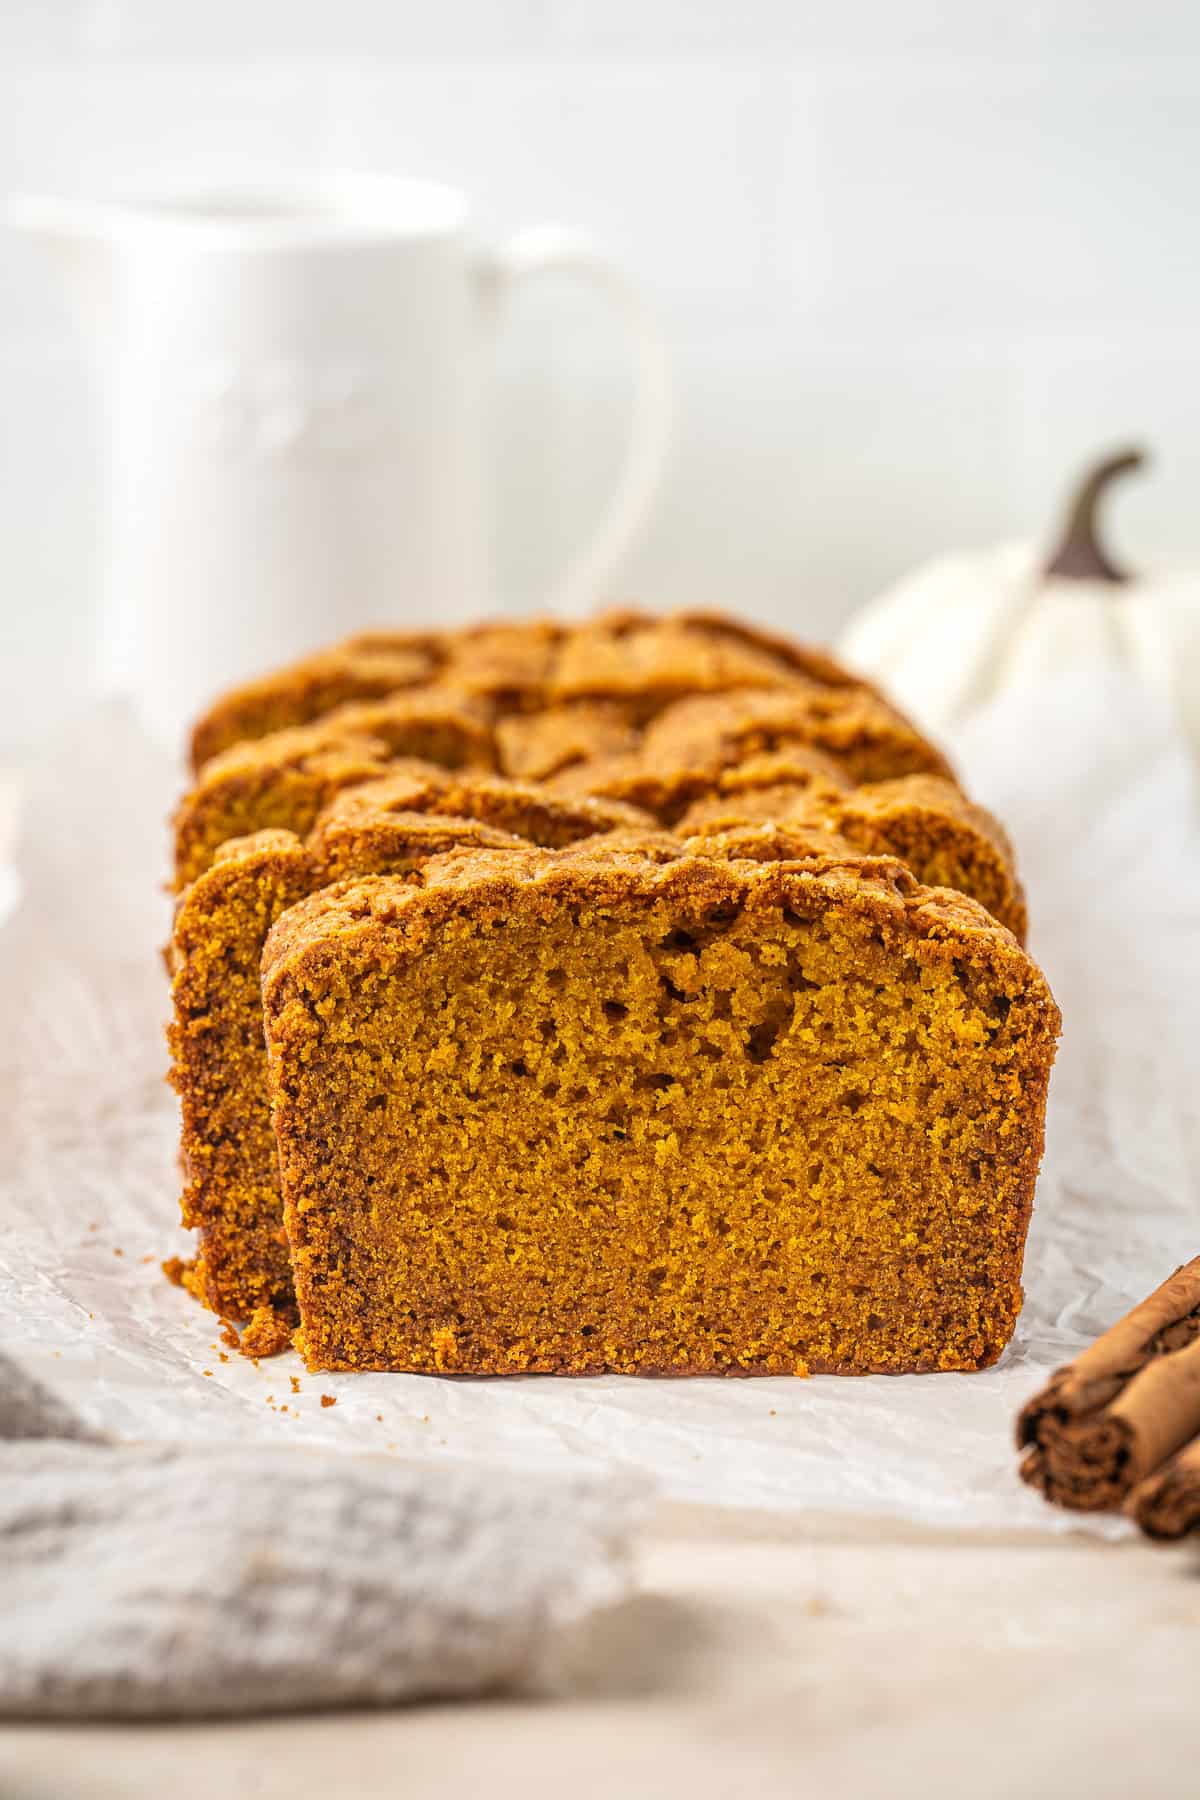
(218, 1070)
(944, 838)
(506, 661)
(662, 789)
(809, 660)
(769, 840)
(858, 730)
(924, 820)
(750, 747)
(653, 661)
(437, 723)
(635, 661)
(493, 660)
(391, 826)
(479, 883)
(798, 765)
(364, 668)
(285, 779)
(826, 739)
(279, 782)
(534, 745)
(351, 973)
(523, 808)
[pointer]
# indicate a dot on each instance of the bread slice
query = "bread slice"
(278, 783)
(641, 660)
(599, 1110)
(923, 820)
(362, 669)
(669, 786)
(218, 1069)
(824, 738)
(356, 834)
(650, 661)
(283, 780)
(535, 745)
(218, 1064)
(857, 728)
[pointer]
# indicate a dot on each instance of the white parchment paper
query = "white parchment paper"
(1099, 794)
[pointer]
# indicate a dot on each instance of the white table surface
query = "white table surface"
(817, 1658)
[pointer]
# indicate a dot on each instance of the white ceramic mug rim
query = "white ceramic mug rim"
(267, 211)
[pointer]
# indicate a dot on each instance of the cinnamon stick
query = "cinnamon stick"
(1167, 1504)
(1112, 1417)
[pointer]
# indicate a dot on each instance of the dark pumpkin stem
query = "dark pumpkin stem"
(1080, 556)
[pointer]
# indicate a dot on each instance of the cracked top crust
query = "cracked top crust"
(526, 810)
(486, 886)
(640, 660)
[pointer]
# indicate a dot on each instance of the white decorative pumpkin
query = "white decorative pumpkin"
(964, 628)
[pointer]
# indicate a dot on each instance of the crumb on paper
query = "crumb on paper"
(328, 1399)
(229, 1334)
(95, 1225)
(773, 1412)
(295, 1381)
(148, 1259)
(117, 1252)
(268, 1333)
(270, 1399)
(173, 1268)
(224, 1355)
(285, 1409)
(379, 1418)
(206, 1371)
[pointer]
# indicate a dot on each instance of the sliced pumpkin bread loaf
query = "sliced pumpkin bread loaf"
(923, 820)
(282, 781)
(639, 661)
(609, 1110)
(218, 1066)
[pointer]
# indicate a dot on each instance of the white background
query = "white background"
(916, 258)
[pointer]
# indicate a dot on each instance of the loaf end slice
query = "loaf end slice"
(588, 1111)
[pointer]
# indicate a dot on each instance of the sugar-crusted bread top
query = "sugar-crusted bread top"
(868, 738)
(688, 722)
(398, 918)
(534, 745)
(358, 669)
(520, 807)
(522, 665)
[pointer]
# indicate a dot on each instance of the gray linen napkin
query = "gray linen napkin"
(157, 1581)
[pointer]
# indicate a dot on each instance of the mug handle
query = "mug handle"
(552, 249)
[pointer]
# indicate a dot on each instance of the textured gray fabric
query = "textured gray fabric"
(151, 1582)
(28, 1410)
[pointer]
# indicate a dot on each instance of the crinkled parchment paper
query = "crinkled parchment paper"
(1099, 795)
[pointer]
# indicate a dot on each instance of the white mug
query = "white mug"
(295, 383)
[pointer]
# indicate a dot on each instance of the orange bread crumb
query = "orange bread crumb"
(924, 820)
(362, 669)
(587, 1111)
(864, 735)
(638, 660)
(218, 1063)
